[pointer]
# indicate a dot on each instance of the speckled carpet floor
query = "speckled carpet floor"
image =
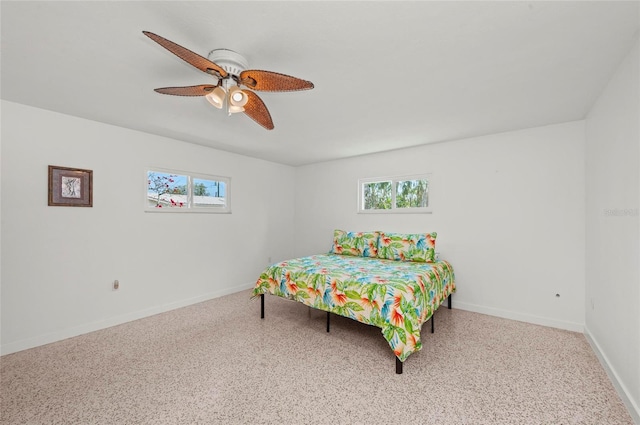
(217, 362)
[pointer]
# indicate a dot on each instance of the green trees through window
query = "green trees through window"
(402, 194)
(377, 196)
(412, 194)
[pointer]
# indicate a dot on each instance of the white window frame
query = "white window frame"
(189, 205)
(394, 180)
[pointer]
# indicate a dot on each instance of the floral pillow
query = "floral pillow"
(370, 241)
(361, 244)
(419, 247)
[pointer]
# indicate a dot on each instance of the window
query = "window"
(394, 194)
(179, 191)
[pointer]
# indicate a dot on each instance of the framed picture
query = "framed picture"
(70, 187)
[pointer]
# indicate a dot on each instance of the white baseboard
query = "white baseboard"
(113, 321)
(513, 315)
(632, 405)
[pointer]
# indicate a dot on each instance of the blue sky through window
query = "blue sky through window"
(212, 187)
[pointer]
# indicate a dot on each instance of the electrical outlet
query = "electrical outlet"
(116, 285)
(269, 261)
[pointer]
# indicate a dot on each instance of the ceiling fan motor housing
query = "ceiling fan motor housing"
(232, 62)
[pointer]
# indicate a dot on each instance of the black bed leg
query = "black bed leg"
(328, 320)
(449, 301)
(398, 366)
(262, 306)
(433, 329)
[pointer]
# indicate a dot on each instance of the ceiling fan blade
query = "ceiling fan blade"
(201, 90)
(272, 81)
(257, 110)
(194, 59)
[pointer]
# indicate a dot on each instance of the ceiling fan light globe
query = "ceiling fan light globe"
(237, 97)
(216, 97)
(235, 109)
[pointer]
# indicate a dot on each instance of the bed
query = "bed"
(391, 281)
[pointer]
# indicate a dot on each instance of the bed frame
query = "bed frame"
(398, 362)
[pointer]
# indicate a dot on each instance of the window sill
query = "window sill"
(184, 211)
(396, 211)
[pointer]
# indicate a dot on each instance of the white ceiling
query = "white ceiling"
(387, 75)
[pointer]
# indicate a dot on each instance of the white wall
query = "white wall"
(58, 262)
(508, 208)
(613, 231)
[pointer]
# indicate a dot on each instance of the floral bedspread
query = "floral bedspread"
(396, 296)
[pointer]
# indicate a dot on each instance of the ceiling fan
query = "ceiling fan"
(230, 69)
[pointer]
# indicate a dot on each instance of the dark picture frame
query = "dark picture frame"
(70, 187)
